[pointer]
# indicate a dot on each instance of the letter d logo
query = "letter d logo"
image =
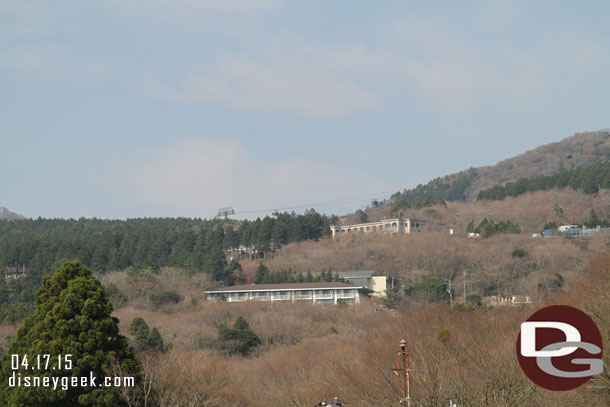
(528, 338)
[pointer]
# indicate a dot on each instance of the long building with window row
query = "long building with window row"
(318, 293)
(396, 225)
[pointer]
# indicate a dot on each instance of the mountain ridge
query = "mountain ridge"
(578, 150)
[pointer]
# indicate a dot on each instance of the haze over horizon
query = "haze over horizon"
(135, 109)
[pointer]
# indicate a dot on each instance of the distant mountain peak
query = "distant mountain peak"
(5, 214)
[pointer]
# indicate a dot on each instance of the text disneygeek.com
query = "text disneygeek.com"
(20, 365)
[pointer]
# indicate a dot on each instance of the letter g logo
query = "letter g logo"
(552, 346)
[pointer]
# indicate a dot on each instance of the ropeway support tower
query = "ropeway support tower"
(225, 212)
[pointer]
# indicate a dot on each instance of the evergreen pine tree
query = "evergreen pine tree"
(215, 263)
(140, 330)
(72, 317)
(235, 274)
(593, 219)
(138, 327)
(261, 273)
(239, 339)
(154, 340)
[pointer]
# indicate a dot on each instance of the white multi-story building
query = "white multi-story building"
(396, 225)
(318, 293)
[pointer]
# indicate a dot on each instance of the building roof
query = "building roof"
(356, 273)
(351, 273)
(282, 287)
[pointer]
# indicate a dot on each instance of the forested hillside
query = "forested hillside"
(105, 245)
(448, 188)
(579, 150)
(310, 352)
(588, 179)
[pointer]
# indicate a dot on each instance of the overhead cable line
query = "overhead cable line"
(354, 199)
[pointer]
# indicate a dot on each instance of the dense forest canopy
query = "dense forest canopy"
(198, 245)
(448, 188)
(587, 179)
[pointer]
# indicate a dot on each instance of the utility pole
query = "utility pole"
(450, 293)
(403, 371)
(464, 286)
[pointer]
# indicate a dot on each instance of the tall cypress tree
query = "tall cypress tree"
(72, 317)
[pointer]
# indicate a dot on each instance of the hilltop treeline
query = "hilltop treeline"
(429, 201)
(447, 188)
(587, 179)
(266, 276)
(198, 245)
(274, 232)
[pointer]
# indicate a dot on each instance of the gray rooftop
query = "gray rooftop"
(356, 273)
(280, 287)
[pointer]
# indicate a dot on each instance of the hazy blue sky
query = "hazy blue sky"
(178, 107)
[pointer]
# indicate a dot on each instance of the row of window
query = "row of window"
(373, 228)
(283, 294)
(365, 228)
